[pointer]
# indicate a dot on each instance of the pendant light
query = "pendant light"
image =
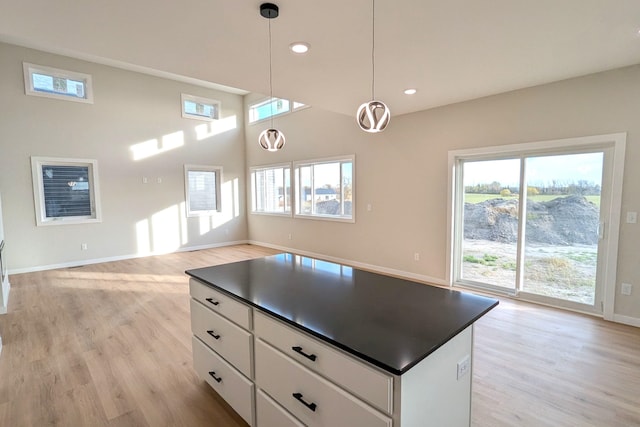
(373, 116)
(270, 139)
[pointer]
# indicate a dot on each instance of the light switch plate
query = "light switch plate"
(632, 217)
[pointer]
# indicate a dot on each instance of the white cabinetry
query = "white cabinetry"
(276, 375)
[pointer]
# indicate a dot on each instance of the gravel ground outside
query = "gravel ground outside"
(566, 272)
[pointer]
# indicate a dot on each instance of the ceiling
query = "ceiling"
(450, 51)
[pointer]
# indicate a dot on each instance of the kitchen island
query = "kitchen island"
(292, 340)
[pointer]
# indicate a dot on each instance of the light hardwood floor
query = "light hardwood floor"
(110, 345)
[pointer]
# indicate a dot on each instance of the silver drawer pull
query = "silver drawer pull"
(213, 334)
(311, 406)
(213, 375)
(298, 350)
(211, 300)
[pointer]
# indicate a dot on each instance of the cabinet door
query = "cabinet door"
(225, 338)
(230, 384)
(230, 308)
(369, 384)
(312, 399)
(270, 414)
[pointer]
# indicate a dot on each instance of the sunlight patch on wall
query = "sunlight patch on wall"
(154, 146)
(184, 230)
(165, 230)
(209, 129)
(143, 237)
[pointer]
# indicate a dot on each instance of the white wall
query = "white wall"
(402, 172)
(129, 110)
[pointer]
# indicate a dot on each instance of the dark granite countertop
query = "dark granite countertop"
(390, 322)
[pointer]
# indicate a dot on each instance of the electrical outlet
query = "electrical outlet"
(289, 236)
(464, 366)
(632, 217)
(369, 207)
(625, 289)
(83, 246)
(416, 256)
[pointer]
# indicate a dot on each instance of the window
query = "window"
(272, 107)
(195, 107)
(54, 83)
(65, 190)
(324, 188)
(271, 189)
(534, 220)
(202, 189)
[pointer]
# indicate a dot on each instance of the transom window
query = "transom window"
(202, 189)
(271, 107)
(199, 108)
(65, 190)
(324, 188)
(56, 83)
(271, 189)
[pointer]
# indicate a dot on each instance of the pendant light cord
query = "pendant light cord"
(270, 77)
(373, 50)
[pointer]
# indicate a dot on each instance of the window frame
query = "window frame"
(613, 143)
(286, 194)
(200, 100)
(296, 179)
(37, 163)
(218, 186)
(29, 69)
(292, 108)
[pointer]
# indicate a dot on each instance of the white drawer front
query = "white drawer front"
(228, 340)
(232, 386)
(312, 399)
(270, 414)
(233, 310)
(369, 384)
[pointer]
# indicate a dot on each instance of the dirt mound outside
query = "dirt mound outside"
(565, 220)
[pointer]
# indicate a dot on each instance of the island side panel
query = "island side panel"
(431, 394)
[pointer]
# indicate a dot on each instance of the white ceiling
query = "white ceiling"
(450, 50)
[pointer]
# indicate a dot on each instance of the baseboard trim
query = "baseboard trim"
(371, 267)
(122, 257)
(627, 320)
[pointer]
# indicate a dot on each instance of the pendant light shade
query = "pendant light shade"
(270, 139)
(373, 116)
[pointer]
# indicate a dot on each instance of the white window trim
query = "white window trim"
(38, 191)
(291, 185)
(201, 100)
(204, 168)
(616, 141)
(266, 99)
(29, 69)
(336, 159)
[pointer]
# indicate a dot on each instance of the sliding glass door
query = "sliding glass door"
(531, 223)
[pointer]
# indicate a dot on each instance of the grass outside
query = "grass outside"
(478, 198)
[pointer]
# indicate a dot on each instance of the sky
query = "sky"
(541, 171)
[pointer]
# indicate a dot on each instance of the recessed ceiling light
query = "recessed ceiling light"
(299, 47)
(410, 91)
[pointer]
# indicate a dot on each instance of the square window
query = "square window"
(65, 190)
(324, 188)
(271, 189)
(202, 189)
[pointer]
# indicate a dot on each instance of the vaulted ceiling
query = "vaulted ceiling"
(450, 51)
